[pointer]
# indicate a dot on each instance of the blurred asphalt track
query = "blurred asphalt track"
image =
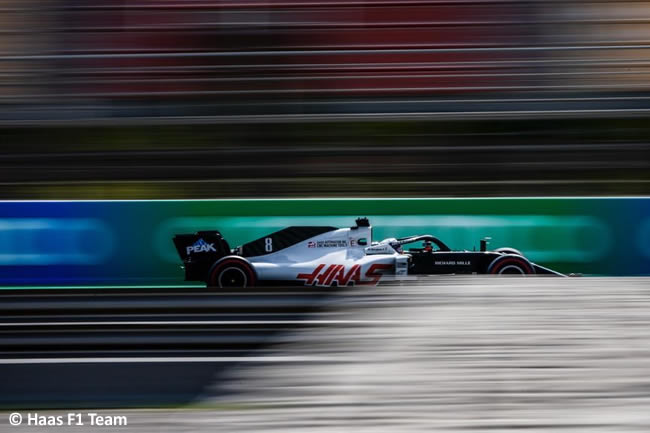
(124, 347)
(446, 353)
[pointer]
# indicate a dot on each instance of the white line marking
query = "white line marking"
(189, 359)
(215, 322)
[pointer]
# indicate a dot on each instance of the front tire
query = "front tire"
(511, 264)
(231, 273)
(508, 250)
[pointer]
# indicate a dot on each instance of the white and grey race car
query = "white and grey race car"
(330, 256)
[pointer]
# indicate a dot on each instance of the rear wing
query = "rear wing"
(199, 244)
(199, 251)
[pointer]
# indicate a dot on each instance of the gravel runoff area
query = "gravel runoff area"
(449, 354)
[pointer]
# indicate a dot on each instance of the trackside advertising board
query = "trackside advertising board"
(72, 243)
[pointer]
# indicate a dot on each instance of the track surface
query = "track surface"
(95, 348)
(449, 354)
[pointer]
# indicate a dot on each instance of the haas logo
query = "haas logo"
(326, 276)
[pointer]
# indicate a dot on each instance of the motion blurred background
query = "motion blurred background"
(175, 99)
(250, 98)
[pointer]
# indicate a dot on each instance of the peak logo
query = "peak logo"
(325, 275)
(200, 246)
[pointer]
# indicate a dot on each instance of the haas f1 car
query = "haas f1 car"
(330, 256)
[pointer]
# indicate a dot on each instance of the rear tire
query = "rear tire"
(233, 273)
(511, 264)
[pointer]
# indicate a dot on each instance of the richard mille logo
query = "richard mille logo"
(452, 263)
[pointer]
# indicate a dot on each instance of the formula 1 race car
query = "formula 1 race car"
(327, 256)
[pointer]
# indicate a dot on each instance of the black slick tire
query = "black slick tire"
(231, 272)
(509, 250)
(510, 264)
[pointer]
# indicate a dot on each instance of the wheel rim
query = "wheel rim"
(232, 277)
(512, 270)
